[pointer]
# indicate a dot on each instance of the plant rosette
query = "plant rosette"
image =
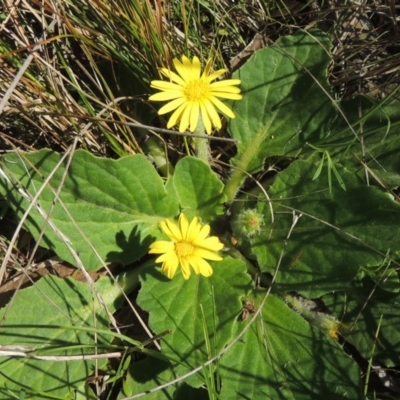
(310, 231)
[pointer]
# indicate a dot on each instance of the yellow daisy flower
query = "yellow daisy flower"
(192, 93)
(190, 247)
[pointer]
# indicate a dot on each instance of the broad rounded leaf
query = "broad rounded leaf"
(116, 204)
(335, 234)
(380, 132)
(149, 374)
(376, 315)
(284, 104)
(58, 303)
(198, 188)
(282, 357)
(195, 310)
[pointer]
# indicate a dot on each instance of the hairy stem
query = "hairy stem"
(201, 145)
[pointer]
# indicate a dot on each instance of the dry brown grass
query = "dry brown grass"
(64, 64)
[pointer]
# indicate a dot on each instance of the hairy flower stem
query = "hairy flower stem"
(158, 155)
(201, 145)
(233, 184)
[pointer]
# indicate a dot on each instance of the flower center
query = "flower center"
(253, 222)
(184, 249)
(197, 90)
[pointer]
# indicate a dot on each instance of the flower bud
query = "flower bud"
(248, 223)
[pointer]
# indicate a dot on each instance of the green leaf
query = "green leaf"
(198, 188)
(336, 234)
(319, 169)
(379, 129)
(282, 357)
(84, 392)
(363, 305)
(56, 303)
(388, 280)
(386, 277)
(284, 102)
(186, 392)
(147, 374)
(117, 204)
(331, 166)
(268, 119)
(186, 307)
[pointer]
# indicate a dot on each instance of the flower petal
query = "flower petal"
(222, 107)
(177, 115)
(186, 69)
(204, 268)
(170, 266)
(194, 116)
(225, 89)
(161, 246)
(169, 95)
(184, 123)
(226, 82)
(183, 226)
(163, 85)
(173, 77)
(185, 266)
(193, 230)
(208, 255)
(212, 243)
(171, 230)
(206, 119)
(225, 95)
(215, 75)
(165, 257)
(204, 232)
(171, 106)
(212, 114)
(200, 266)
(207, 69)
(194, 263)
(195, 68)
